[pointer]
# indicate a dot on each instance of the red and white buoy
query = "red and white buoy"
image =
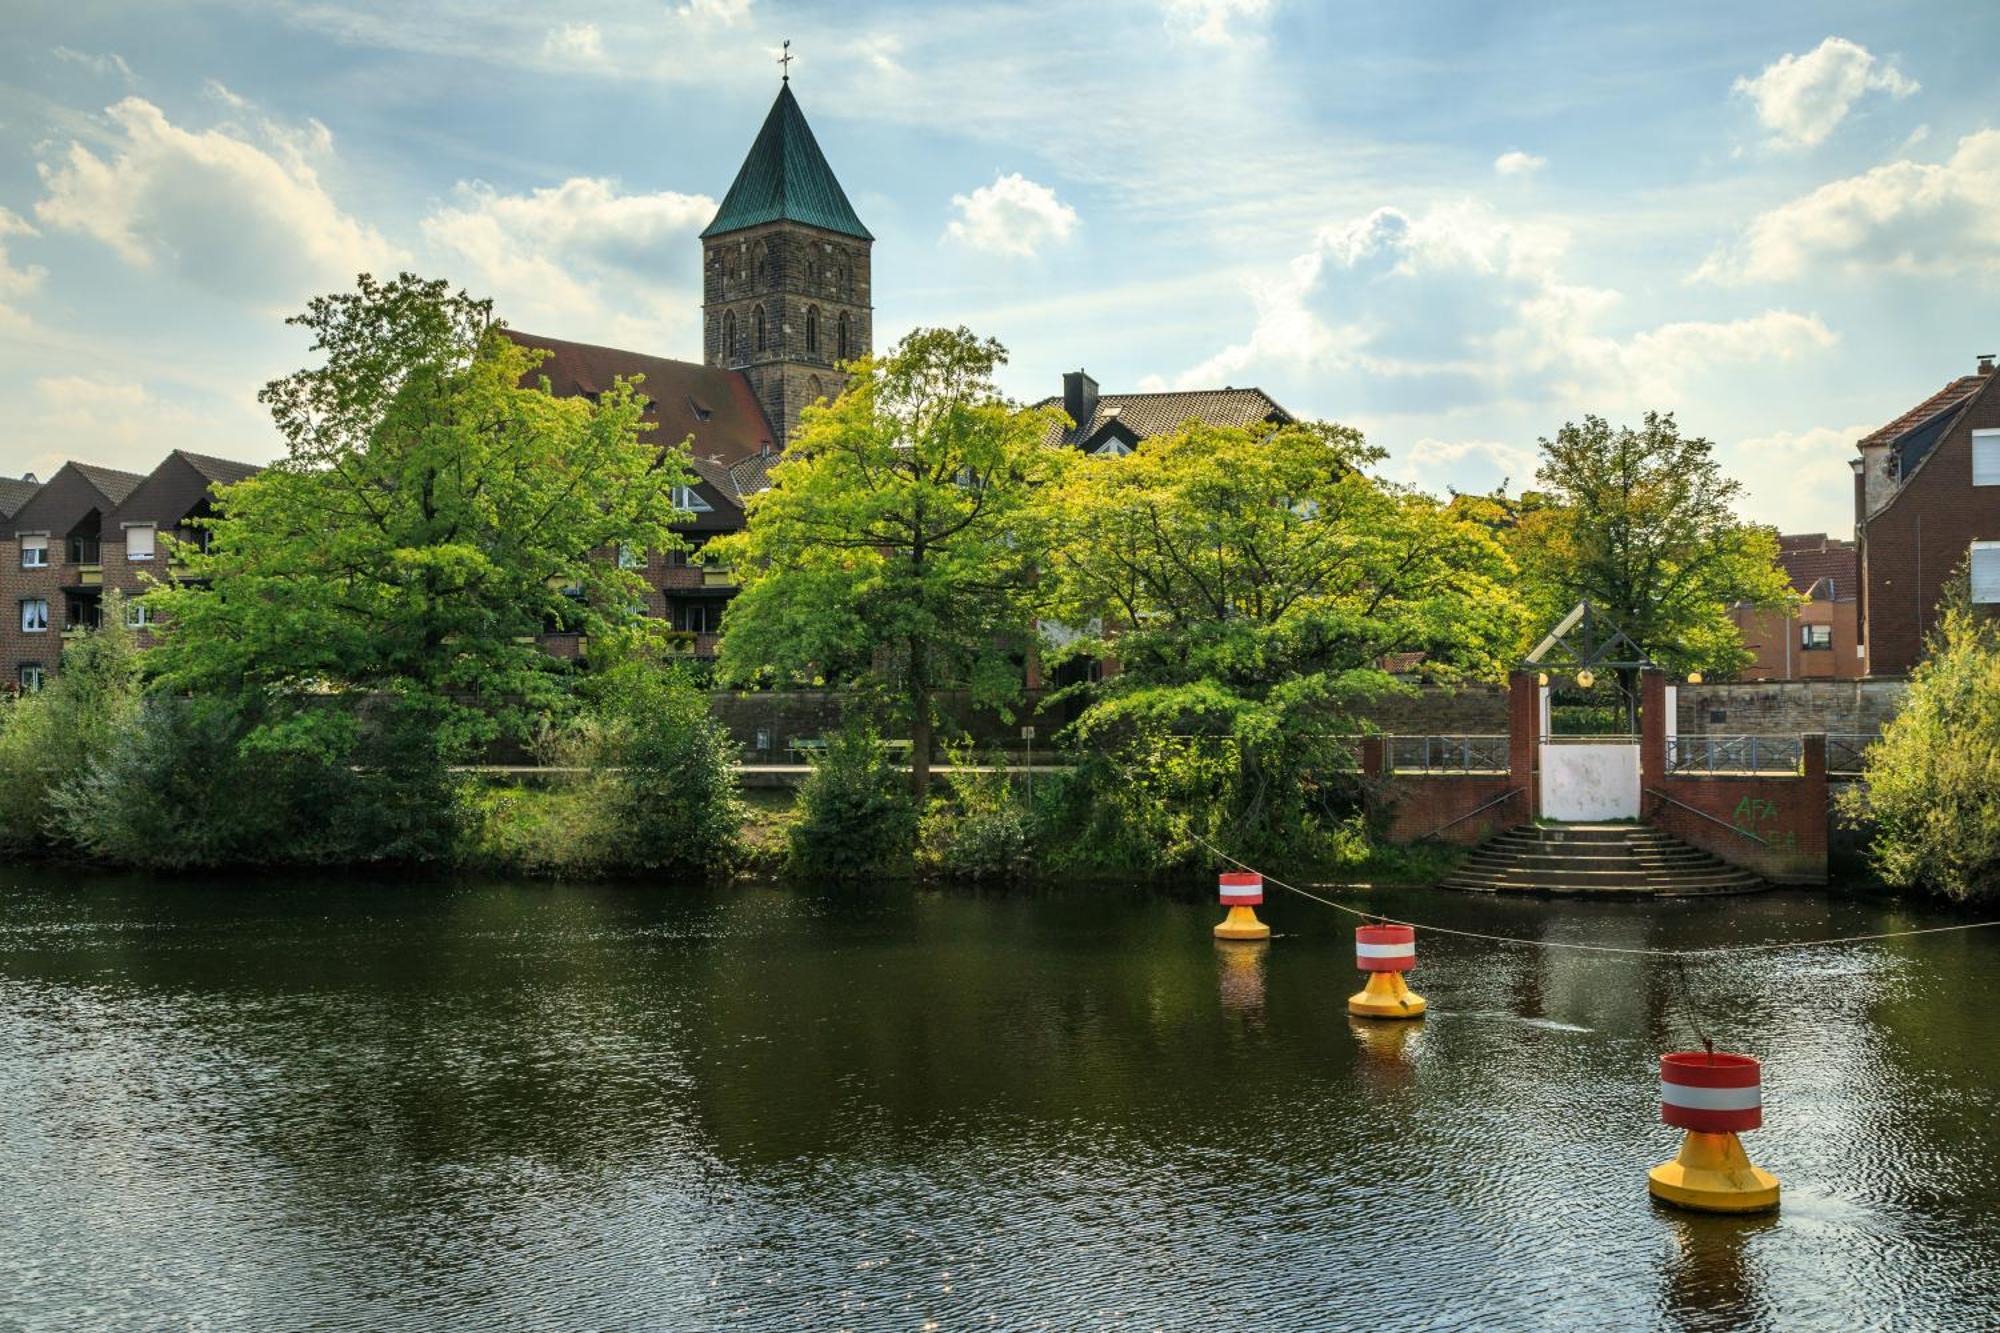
(1385, 952)
(1714, 1096)
(1242, 892)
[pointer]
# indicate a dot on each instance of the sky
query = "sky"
(1454, 226)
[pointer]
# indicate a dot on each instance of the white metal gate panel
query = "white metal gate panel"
(1592, 781)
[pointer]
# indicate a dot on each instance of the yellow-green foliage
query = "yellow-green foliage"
(1933, 779)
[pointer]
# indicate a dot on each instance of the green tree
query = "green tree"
(1249, 584)
(49, 739)
(437, 507)
(900, 542)
(1932, 781)
(1642, 524)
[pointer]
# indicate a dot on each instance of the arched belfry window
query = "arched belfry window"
(763, 266)
(818, 390)
(728, 336)
(757, 328)
(846, 283)
(812, 331)
(846, 347)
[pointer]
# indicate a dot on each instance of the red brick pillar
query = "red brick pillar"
(1815, 813)
(1524, 733)
(1652, 731)
(1374, 756)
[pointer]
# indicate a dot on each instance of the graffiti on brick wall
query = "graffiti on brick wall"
(1757, 817)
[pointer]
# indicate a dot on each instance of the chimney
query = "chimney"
(1079, 397)
(1986, 363)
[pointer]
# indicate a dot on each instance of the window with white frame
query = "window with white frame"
(34, 615)
(35, 551)
(1986, 573)
(1815, 637)
(1986, 458)
(32, 675)
(139, 541)
(686, 497)
(138, 615)
(631, 557)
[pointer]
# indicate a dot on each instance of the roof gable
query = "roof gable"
(69, 495)
(1951, 396)
(785, 178)
(176, 488)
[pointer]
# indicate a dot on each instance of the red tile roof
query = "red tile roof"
(714, 406)
(1812, 558)
(1950, 396)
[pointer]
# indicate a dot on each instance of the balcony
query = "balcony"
(718, 576)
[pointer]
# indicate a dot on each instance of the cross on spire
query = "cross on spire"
(785, 61)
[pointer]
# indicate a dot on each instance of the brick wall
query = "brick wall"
(1920, 537)
(1788, 707)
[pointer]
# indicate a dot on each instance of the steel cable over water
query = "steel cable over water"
(1520, 941)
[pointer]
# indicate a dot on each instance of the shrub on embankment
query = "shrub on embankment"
(1932, 782)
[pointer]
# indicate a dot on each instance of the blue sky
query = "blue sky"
(1454, 226)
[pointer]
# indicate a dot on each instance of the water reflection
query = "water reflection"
(1240, 976)
(374, 1106)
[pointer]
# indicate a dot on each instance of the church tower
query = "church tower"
(785, 294)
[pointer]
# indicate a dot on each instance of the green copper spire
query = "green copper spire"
(786, 179)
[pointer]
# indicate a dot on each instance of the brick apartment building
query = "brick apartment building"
(87, 531)
(1817, 641)
(1926, 501)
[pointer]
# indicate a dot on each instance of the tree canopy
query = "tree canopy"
(1249, 584)
(900, 542)
(1642, 524)
(437, 508)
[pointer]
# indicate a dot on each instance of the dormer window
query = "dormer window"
(1112, 448)
(700, 413)
(688, 499)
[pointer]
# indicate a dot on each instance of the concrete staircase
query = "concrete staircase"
(1596, 860)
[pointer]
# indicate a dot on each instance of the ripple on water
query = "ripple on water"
(556, 1108)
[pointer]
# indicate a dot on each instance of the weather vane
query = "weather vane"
(785, 61)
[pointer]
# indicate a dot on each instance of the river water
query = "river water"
(356, 1105)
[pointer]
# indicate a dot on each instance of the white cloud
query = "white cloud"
(1518, 163)
(1422, 462)
(1012, 216)
(106, 64)
(239, 211)
(727, 13)
(575, 43)
(1905, 216)
(1459, 308)
(1217, 22)
(1801, 99)
(15, 283)
(580, 257)
(1798, 479)
(124, 424)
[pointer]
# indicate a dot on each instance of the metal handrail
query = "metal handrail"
(1507, 795)
(1740, 832)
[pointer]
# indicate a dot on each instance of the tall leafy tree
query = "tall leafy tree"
(437, 508)
(900, 542)
(1642, 524)
(1249, 584)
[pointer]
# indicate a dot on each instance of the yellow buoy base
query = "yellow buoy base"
(1386, 996)
(1242, 924)
(1713, 1175)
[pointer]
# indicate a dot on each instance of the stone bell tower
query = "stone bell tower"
(785, 273)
